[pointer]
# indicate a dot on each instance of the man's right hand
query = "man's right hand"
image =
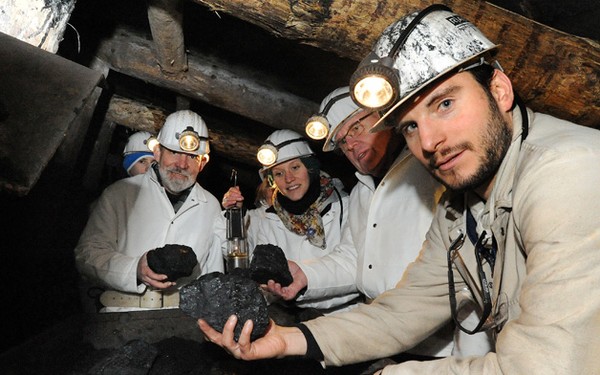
(291, 291)
(232, 198)
(149, 277)
(277, 342)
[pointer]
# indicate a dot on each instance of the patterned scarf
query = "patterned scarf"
(309, 223)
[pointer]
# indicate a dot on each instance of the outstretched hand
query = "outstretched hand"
(291, 291)
(277, 342)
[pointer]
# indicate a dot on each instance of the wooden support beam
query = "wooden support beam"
(233, 144)
(553, 71)
(166, 19)
(211, 81)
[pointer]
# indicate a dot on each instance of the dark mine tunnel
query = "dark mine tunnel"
(66, 115)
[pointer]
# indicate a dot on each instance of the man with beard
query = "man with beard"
(516, 236)
(163, 206)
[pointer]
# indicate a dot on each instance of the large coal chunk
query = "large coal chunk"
(269, 263)
(214, 297)
(172, 260)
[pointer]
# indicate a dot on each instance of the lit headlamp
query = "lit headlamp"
(317, 126)
(151, 143)
(375, 84)
(189, 139)
(268, 152)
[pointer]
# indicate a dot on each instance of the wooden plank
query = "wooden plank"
(553, 71)
(235, 89)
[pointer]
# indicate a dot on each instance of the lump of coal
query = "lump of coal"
(269, 263)
(214, 297)
(172, 260)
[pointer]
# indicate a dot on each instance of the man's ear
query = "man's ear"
(502, 90)
(203, 161)
(156, 152)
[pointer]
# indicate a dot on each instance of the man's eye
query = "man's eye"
(408, 128)
(445, 104)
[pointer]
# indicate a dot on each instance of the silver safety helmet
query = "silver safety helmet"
(441, 42)
(185, 131)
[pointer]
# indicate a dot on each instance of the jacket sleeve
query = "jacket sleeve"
(397, 320)
(97, 256)
(334, 273)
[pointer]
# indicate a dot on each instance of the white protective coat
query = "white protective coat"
(133, 216)
(271, 230)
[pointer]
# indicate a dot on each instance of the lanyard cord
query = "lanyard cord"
(479, 251)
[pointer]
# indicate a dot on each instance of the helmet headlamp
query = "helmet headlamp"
(151, 143)
(267, 153)
(189, 139)
(317, 126)
(376, 84)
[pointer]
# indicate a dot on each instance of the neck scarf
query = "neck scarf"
(308, 223)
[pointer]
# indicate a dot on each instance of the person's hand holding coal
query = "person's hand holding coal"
(173, 260)
(215, 297)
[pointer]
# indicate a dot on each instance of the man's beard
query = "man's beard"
(175, 185)
(495, 141)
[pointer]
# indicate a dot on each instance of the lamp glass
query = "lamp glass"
(316, 128)
(152, 142)
(267, 155)
(373, 91)
(188, 141)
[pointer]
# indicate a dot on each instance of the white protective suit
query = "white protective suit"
(133, 216)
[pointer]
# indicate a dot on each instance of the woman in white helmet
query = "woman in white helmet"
(306, 211)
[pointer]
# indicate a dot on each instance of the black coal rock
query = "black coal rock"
(214, 297)
(269, 263)
(172, 260)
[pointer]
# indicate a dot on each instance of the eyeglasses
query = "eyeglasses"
(481, 251)
(355, 130)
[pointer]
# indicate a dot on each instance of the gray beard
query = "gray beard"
(171, 185)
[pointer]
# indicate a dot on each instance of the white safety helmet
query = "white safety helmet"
(417, 50)
(185, 131)
(137, 142)
(281, 146)
(137, 148)
(336, 109)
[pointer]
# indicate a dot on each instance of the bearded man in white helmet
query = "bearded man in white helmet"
(516, 235)
(148, 211)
